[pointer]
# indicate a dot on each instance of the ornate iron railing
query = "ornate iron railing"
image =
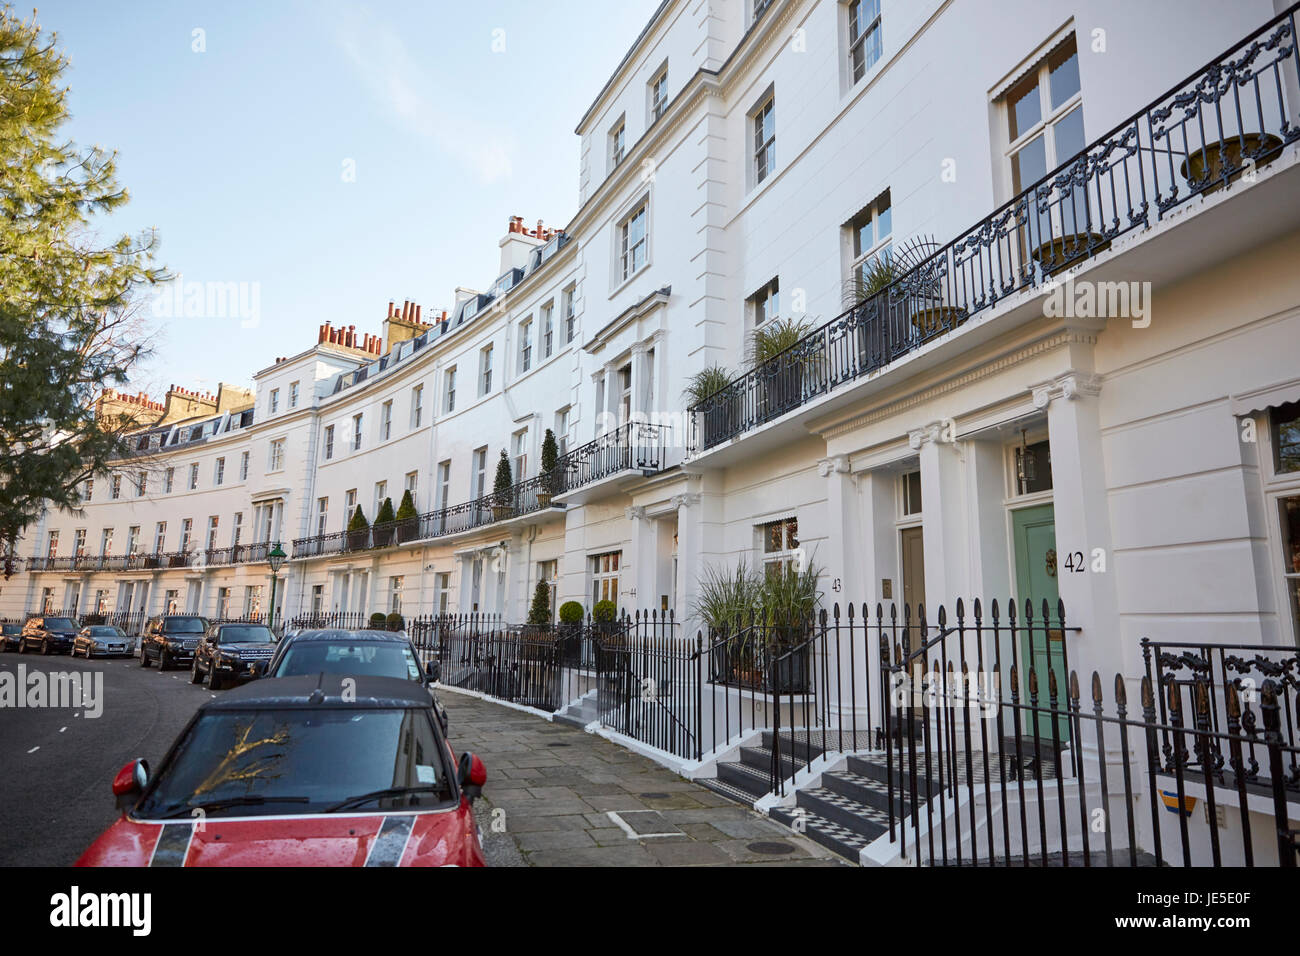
(522, 498)
(87, 563)
(1206, 133)
(632, 446)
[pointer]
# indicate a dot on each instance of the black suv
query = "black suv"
(231, 652)
(48, 634)
(171, 639)
(10, 635)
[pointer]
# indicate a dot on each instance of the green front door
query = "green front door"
(1034, 537)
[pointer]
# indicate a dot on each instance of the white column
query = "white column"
(690, 546)
(943, 506)
(644, 556)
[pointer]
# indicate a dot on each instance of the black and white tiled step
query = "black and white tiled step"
(849, 810)
(750, 777)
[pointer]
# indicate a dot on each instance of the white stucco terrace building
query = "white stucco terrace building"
(740, 164)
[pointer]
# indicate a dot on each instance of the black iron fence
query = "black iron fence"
(1205, 134)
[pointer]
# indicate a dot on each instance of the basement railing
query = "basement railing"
(1207, 133)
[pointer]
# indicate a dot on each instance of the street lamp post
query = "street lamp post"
(276, 558)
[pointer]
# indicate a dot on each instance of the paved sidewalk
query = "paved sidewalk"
(551, 789)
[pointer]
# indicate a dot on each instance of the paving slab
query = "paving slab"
(547, 805)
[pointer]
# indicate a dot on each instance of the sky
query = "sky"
(326, 157)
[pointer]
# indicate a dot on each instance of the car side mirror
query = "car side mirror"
(472, 775)
(129, 784)
(433, 671)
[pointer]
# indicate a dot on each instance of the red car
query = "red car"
(318, 770)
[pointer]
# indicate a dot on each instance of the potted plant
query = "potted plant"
(383, 530)
(358, 531)
(571, 615)
(705, 392)
(501, 486)
(549, 483)
(727, 603)
(378, 621)
(408, 520)
(394, 622)
(789, 598)
(782, 362)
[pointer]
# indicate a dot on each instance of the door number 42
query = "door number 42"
(1075, 563)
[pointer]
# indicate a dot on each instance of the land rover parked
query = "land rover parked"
(230, 653)
(10, 636)
(49, 635)
(171, 640)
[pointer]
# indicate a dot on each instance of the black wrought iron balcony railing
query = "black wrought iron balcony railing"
(237, 554)
(1207, 133)
(632, 446)
(522, 498)
(111, 562)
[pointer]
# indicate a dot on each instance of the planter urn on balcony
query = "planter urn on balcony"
(1207, 165)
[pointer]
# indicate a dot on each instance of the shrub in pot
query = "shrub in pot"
(501, 486)
(395, 622)
(706, 391)
(408, 520)
(378, 621)
(539, 614)
(782, 364)
(728, 601)
(571, 615)
(549, 484)
(383, 529)
(358, 531)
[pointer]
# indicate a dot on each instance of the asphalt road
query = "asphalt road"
(57, 764)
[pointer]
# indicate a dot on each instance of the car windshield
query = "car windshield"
(241, 763)
(356, 658)
(103, 630)
(62, 623)
(184, 625)
(245, 634)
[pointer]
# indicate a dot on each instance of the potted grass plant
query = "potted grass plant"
(726, 603)
(706, 391)
(783, 363)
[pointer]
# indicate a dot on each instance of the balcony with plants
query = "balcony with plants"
(1211, 133)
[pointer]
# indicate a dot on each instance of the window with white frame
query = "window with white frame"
(386, 420)
(293, 394)
(223, 602)
(356, 432)
(864, 36)
(115, 487)
(870, 242)
(548, 573)
(329, 442)
(79, 542)
(350, 503)
(322, 515)
(442, 591)
(275, 400)
(237, 529)
(521, 454)
(141, 484)
(562, 429)
(780, 546)
(417, 406)
(480, 472)
(133, 540)
(485, 369)
(764, 121)
(604, 576)
(449, 390)
(411, 481)
(547, 329)
(317, 598)
(1044, 128)
(765, 304)
(187, 529)
(525, 345)
(381, 492)
(395, 584)
(243, 467)
(617, 143)
(570, 312)
(194, 476)
(658, 91)
(634, 239)
(52, 550)
(1284, 474)
(275, 459)
(219, 471)
(444, 484)
(159, 537)
(169, 478)
(212, 532)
